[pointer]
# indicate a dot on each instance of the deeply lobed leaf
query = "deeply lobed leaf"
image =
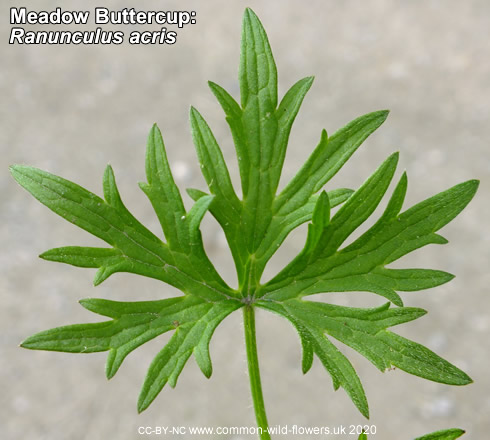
(365, 331)
(180, 262)
(255, 226)
(314, 342)
(260, 129)
(361, 265)
(134, 248)
(134, 323)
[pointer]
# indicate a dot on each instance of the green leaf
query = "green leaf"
(261, 156)
(335, 257)
(323, 266)
(360, 266)
(226, 207)
(260, 129)
(135, 248)
(213, 165)
(319, 221)
(314, 342)
(326, 160)
(162, 191)
(365, 331)
(83, 256)
(108, 261)
(133, 324)
(362, 436)
(189, 337)
(445, 434)
(194, 218)
(358, 208)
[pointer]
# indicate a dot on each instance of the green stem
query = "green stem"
(254, 372)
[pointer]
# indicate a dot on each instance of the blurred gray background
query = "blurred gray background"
(72, 109)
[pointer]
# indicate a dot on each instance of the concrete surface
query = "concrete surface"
(71, 110)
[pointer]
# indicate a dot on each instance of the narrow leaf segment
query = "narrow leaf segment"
(446, 434)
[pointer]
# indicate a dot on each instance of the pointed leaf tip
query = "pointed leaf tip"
(13, 168)
(18, 172)
(140, 408)
(472, 185)
(194, 113)
(102, 274)
(380, 115)
(321, 213)
(250, 11)
(154, 130)
(195, 194)
(394, 156)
